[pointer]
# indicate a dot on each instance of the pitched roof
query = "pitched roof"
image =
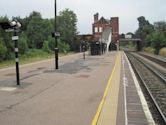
(102, 20)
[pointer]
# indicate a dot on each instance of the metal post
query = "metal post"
(84, 52)
(56, 44)
(15, 39)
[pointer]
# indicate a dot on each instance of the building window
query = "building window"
(100, 29)
(96, 29)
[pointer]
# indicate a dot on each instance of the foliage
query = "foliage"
(67, 25)
(144, 28)
(6, 41)
(3, 50)
(46, 47)
(160, 26)
(34, 28)
(23, 46)
(156, 40)
(63, 47)
(33, 52)
(153, 35)
(36, 34)
(149, 50)
(51, 43)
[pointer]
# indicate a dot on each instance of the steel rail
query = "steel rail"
(161, 62)
(159, 75)
(149, 93)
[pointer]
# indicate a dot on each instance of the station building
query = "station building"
(105, 33)
(101, 24)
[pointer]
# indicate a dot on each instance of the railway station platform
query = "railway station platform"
(100, 90)
(123, 102)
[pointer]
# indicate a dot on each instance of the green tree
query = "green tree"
(34, 31)
(144, 28)
(47, 28)
(6, 40)
(160, 26)
(67, 22)
(156, 40)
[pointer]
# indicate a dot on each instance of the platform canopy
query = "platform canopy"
(106, 37)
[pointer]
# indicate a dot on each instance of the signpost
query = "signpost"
(14, 27)
(83, 49)
(15, 39)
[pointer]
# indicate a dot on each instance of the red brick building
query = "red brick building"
(101, 24)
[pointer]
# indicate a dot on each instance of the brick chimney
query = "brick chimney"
(114, 22)
(96, 17)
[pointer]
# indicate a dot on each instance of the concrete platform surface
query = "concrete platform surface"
(68, 96)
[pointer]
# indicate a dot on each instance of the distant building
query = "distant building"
(101, 24)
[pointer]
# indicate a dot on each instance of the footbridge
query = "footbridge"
(137, 40)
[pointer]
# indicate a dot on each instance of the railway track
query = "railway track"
(154, 85)
(161, 62)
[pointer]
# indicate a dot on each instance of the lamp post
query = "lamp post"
(56, 44)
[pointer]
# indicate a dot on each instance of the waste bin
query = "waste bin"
(95, 48)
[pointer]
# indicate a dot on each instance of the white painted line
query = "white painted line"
(8, 89)
(125, 84)
(141, 96)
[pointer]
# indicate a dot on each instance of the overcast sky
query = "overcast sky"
(126, 10)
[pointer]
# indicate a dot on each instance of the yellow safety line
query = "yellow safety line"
(95, 119)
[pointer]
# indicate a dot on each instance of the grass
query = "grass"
(25, 59)
(149, 50)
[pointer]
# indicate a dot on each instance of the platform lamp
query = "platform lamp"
(14, 26)
(55, 34)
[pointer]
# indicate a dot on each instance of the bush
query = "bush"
(46, 47)
(162, 52)
(3, 51)
(149, 50)
(34, 52)
(156, 40)
(63, 47)
(23, 46)
(51, 43)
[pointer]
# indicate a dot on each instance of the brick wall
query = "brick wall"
(99, 26)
